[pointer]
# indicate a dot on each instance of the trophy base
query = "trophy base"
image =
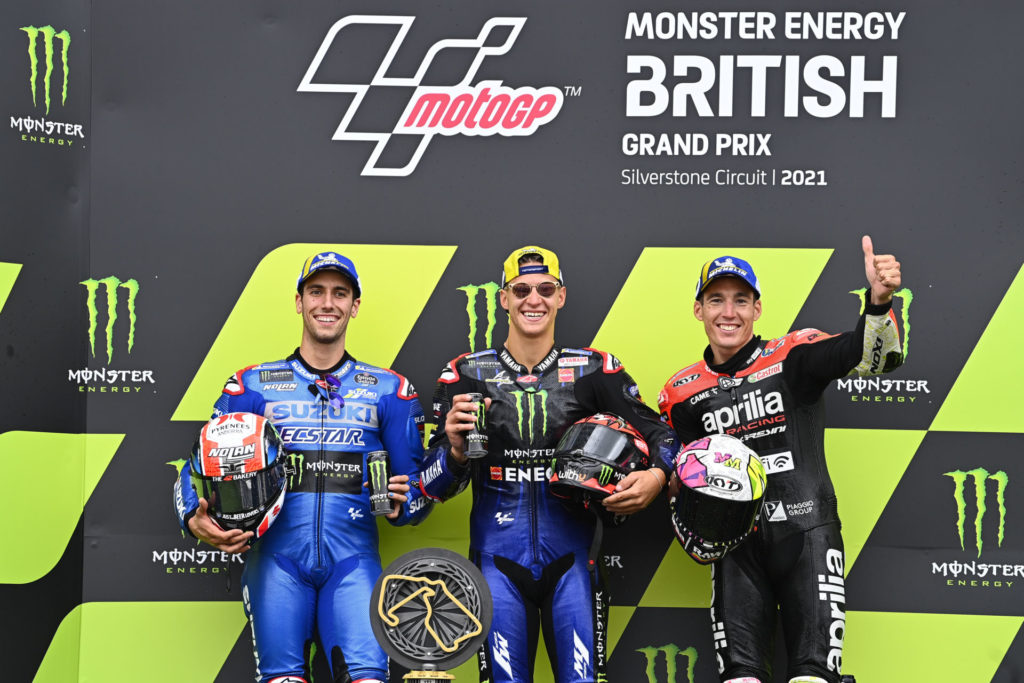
(427, 676)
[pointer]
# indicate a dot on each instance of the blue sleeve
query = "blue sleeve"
(442, 477)
(185, 499)
(401, 422)
(236, 397)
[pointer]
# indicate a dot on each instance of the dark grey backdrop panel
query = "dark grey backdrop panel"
(45, 190)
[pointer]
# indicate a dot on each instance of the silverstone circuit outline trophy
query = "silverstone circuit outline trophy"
(430, 610)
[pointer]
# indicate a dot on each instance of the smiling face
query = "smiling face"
(533, 316)
(728, 309)
(326, 304)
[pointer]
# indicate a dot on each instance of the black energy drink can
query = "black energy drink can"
(476, 439)
(378, 473)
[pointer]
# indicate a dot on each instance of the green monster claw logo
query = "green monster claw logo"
(48, 33)
(490, 290)
(297, 462)
(605, 476)
(979, 475)
(672, 653)
(481, 417)
(908, 298)
(112, 284)
(378, 476)
(527, 408)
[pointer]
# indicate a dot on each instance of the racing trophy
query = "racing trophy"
(430, 611)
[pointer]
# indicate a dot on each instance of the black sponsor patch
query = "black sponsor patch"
(473, 363)
(276, 376)
(364, 378)
(684, 380)
(332, 472)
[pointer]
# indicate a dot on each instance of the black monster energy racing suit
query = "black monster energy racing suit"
(533, 549)
(769, 394)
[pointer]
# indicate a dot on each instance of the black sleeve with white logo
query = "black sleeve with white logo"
(812, 366)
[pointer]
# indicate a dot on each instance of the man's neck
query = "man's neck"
(529, 351)
(322, 356)
(720, 357)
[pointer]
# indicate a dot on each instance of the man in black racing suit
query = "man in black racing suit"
(769, 394)
(532, 548)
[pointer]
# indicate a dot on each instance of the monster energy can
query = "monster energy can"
(378, 469)
(476, 439)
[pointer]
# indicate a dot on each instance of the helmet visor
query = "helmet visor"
(594, 441)
(242, 496)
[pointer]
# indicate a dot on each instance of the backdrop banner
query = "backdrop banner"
(168, 166)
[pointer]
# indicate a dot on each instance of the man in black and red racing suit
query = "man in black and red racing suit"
(531, 547)
(769, 395)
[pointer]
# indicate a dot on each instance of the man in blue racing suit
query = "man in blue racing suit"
(532, 549)
(318, 562)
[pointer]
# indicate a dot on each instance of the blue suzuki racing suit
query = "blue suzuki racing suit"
(317, 564)
(531, 547)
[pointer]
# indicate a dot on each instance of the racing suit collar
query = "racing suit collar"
(739, 360)
(520, 369)
(346, 357)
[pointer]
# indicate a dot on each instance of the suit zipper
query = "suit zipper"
(320, 484)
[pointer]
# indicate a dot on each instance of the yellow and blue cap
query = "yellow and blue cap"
(727, 266)
(513, 269)
(329, 260)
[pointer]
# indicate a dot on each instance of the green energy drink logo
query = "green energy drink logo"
(605, 476)
(672, 654)
(907, 297)
(379, 476)
(980, 476)
(528, 405)
(297, 464)
(112, 286)
(490, 292)
(48, 34)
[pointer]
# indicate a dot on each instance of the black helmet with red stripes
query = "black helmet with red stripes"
(594, 455)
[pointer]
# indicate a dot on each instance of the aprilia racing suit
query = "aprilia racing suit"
(317, 564)
(770, 395)
(531, 547)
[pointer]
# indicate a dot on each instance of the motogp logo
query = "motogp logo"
(464, 108)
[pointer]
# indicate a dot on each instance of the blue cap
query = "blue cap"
(727, 266)
(333, 261)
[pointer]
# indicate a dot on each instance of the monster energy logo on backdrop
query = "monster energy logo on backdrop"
(490, 290)
(605, 476)
(112, 285)
(48, 33)
(527, 407)
(672, 653)
(980, 475)
(908, 297)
